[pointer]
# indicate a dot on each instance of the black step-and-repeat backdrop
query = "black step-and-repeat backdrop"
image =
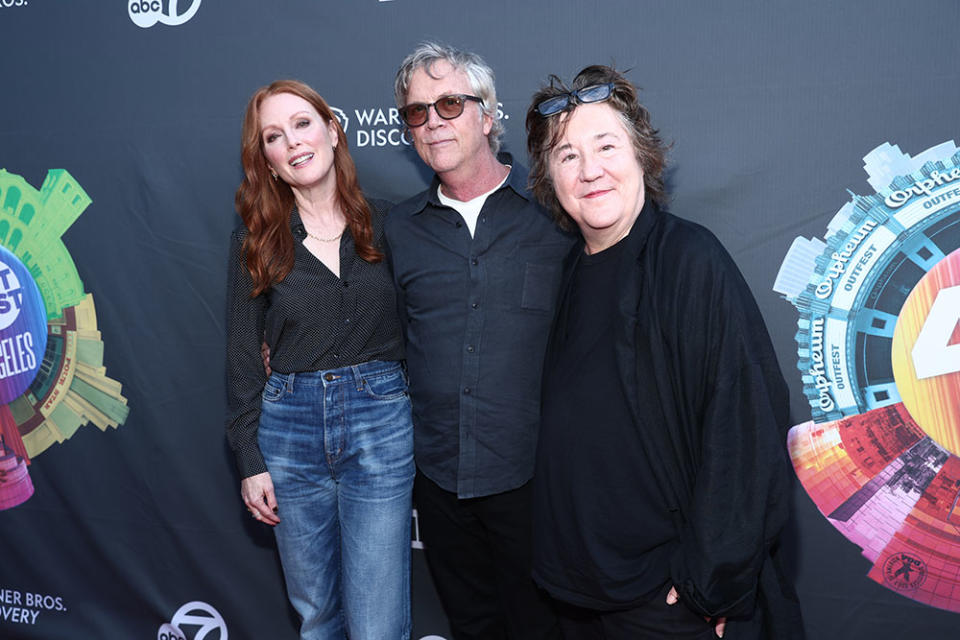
(815, 139)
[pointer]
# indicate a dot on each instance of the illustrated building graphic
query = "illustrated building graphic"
(71, 387)
(875, 468)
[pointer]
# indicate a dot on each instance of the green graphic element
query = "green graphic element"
(30, 227)
(72, 388)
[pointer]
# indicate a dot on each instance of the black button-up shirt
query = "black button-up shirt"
(311, 320)
(477, 312)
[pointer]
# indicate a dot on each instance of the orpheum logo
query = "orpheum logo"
(146, 13)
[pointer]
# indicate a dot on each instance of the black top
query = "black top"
(604, 535)
(477, 312)
(709, 403)
(312, 320)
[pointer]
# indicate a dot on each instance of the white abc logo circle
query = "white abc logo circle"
(11, 296)
(146, 13)
(207, 620)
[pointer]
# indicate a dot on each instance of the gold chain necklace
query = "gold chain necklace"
(318, 238)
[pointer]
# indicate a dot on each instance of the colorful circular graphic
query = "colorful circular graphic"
(48, 323)
(926, 353)
(878, 347)
(23, 327)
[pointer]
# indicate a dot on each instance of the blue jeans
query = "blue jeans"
(339, 448)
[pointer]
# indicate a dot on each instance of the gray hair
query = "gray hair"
(477, 71)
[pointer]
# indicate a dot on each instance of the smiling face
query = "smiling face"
(456, 145)
(297, 143)
(596, 175)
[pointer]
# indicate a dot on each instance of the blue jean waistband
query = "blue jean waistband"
(352, 373)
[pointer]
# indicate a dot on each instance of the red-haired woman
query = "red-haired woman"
(324, 444)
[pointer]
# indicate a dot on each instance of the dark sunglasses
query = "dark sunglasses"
(447, 107)
(593, 93)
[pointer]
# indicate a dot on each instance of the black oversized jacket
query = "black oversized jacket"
(711, 408)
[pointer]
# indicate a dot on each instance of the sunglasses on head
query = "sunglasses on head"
(593, 93)
(447, 107)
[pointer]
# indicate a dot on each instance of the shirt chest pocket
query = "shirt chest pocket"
(541, 266)
(540, 282)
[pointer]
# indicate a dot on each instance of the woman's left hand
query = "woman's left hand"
(718, 627)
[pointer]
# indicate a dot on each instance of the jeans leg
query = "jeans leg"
(308, 539)
(375, 478)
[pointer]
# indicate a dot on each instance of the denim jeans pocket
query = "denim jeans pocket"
(273, 389)
(388, 385)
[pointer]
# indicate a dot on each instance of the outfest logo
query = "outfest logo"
(146, 13)
(878, 346)
(52, 379)
(23, 327)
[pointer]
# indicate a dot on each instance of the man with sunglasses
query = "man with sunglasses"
(477, 265)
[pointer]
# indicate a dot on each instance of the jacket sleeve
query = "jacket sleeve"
(245, 373)
(737, 409)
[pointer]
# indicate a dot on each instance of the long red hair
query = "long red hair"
(265, 204)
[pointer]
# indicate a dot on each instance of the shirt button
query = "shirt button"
(329, 377)
(466, 391)
(347, 321)
(470, 349)
(474, 261)
(475, 305)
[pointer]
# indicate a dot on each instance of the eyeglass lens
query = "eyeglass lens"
(594, 93)
(447, 107)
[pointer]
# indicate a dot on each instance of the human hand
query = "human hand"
(265, 354)
(719, 625)
(257, 493)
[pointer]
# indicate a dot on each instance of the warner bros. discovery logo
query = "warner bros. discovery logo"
(381, 126)
(146, 13)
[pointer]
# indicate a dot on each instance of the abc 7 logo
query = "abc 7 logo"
(207, 620)
(146, 13)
